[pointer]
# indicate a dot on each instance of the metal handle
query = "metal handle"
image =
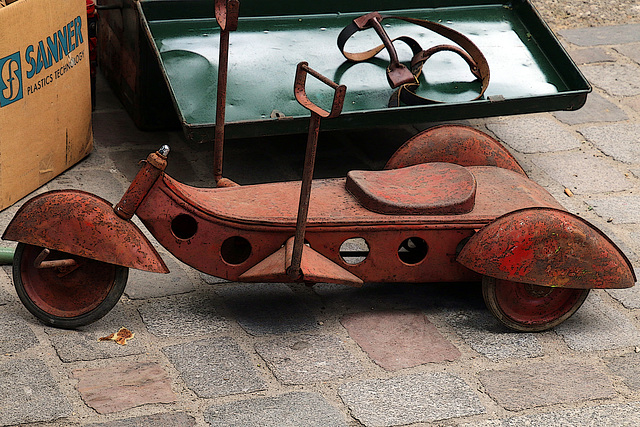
(317, 114)
(227, 12)
(301, 95)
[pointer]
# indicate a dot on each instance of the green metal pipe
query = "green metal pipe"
(6, 255)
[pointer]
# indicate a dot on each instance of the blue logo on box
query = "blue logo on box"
(10, 79)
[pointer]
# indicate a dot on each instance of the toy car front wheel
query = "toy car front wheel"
(530, 308)
(63, 290)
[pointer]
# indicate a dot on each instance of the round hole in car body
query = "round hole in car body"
(184, 226)
(413, 250)
(354, 250)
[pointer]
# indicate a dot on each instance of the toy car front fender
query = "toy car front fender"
(548, 247)
(82, 224)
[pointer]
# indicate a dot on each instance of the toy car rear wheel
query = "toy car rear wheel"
(66, 296)
(530, 308)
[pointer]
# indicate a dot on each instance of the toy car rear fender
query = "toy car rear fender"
(457, 144)
(82, 224)
(548, 247)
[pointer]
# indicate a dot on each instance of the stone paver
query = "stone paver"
(534, 134)
(105, 184)
(7, 291)
(590, 55)
(419, 398)
(124, 385)
(305, 359)
(29, 393)
(544, 384)
(5, 297)
(618, 209)
(620, 141)
(629, 298)
(626, 367)
(632, 103)
(144, 285)
(289, 410)
(271, 308)
(607, 35)
(632, 51)
(397, 340)
(215, 367)
(595, 326)
(596, 109)
(184, 315)
(371, 296)
(583, 172)
(597, 416)
(15, 334)
(616, 79)
(83, 344)
(486, 335)
(170, 419)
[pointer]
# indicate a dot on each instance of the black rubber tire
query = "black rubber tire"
(108, 280)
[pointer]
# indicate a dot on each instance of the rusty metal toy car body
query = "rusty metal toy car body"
(452, 204)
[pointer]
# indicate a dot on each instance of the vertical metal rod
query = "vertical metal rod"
(305, 194)
(223, 64)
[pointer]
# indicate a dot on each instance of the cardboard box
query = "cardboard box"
(45, 93)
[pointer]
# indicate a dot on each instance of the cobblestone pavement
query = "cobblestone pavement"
(207, 352)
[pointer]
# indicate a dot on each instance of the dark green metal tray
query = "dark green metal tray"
(530, 71)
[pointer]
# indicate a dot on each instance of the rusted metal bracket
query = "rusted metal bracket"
(63, 266)
(40, 262)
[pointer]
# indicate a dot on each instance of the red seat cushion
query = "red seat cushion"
(424, 189)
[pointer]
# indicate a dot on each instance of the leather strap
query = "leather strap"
(398, 75)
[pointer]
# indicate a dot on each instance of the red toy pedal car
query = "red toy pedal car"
(451, 205)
